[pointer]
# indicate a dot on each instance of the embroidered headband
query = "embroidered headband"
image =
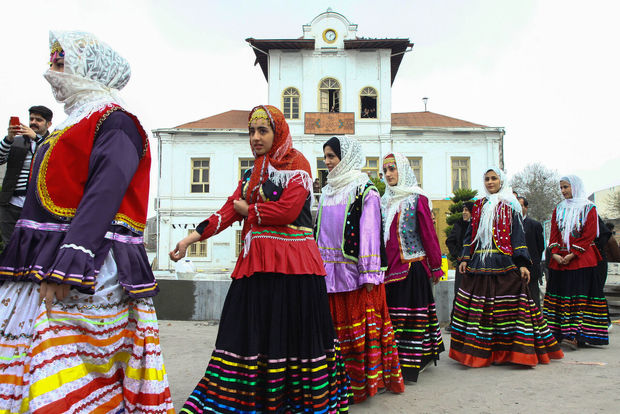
(260, 113)
(56, 52)
(389, 161)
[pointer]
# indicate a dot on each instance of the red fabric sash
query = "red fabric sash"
(64, 172)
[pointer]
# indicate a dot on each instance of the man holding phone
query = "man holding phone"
(17, 150)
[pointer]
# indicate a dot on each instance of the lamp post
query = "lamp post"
(425, 99)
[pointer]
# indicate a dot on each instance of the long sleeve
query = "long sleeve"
(452, 242)
(223, 218)
(113, 162)
(540, 241)
(5, 148)
(520, 254)
(429, 237)
(281, 212)
(555, 237)
(466, 253)
(369, 262)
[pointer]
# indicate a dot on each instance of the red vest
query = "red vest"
(64, 171)
(502, 226)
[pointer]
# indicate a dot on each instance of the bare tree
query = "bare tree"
(541, 186)
(612, 202)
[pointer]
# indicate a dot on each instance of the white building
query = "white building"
(328, 82)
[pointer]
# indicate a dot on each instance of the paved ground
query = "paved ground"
(585, 381)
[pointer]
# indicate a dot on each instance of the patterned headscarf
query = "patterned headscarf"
(93, 75)
(407, 185)
(491, 214)
(347, 175)
(283, 162)
(571, 214)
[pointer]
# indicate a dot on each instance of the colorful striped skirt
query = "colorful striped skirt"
(496, 321)
(575, 306)
(276, 351)
(412, 309)
(95, 353)
(364, 329)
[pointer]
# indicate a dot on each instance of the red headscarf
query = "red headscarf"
(281, 156)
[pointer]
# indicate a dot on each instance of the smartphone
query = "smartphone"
(14, 121)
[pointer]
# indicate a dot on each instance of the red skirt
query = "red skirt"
(364, 328)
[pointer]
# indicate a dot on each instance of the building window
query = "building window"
(198, 249)
(372, 167)
(244, 165)
(200, 175)
(329, 95)
(238, 243)
(460, 173)
(368, 103)
(290, 103)
(321, 172)
(416, 166)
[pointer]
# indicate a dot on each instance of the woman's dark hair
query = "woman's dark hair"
(334, 144)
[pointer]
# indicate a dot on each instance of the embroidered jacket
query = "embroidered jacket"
(582, 244)
(81, 204)
(509, 251)
(413, 238)
(281, 239)
(350, 241)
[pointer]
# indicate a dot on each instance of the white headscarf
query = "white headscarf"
(347, 176)
(94, 74)
(489, 216)
(407, 185)
(571, 214)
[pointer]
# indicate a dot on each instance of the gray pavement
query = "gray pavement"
(585, 381)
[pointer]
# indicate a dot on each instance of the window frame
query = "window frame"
(421, 167)
(240, 170)
(298, 96)
(339, 97)
(376, 95)
(201, 168)
(366, 168)
(195, 249)
(452, 169)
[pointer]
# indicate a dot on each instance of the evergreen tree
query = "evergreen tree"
(456, 209)
(379, 184)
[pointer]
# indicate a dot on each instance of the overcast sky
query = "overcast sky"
(547, 71)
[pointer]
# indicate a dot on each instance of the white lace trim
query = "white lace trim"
(76, 247)
(219, 222)
(257, 213)
(343, 194)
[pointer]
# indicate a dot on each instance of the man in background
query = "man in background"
(535, 242)
(17, 150)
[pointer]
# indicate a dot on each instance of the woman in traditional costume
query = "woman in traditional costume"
(495, 318)
(276, 348)
(414, 259)
(575, 306)
(348, 232)
(93, 346)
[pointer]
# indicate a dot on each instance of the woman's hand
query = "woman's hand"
(178, 252)
(568, 258)
(241, 207)
(463, 267)
(369, 287)
(558, 258)
(51, 291)
(525, 274)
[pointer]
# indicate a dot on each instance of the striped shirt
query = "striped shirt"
(22, 180)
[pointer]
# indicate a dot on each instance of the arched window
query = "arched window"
(290, 103)
(368, 103)
(329, 95)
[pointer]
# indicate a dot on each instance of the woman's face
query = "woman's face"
(566, 189)
(492, 182)
(466, 214)
(58, 65)
(331, 159)
(261, 136)
(391, 174)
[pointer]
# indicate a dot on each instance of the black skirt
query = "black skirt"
(575, 306)
(276, 350)
(414, 318)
